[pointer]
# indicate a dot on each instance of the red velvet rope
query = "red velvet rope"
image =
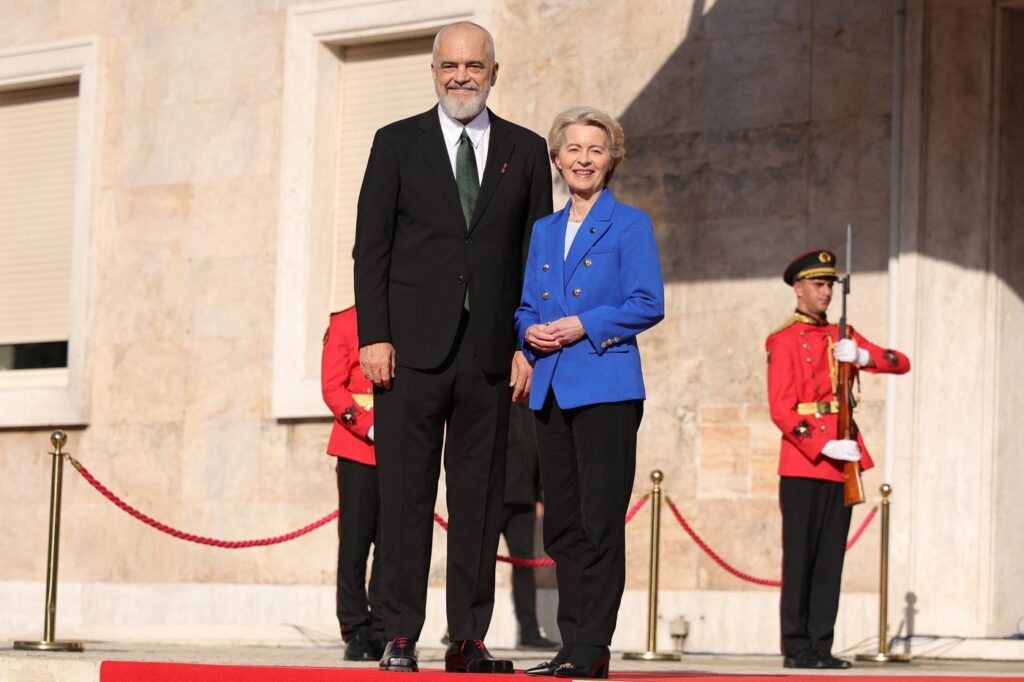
(277, 539)
(198, 539)
(532, 563)
(515, 561)
(738, 573)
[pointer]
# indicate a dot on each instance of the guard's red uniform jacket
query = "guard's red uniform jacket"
(346, 391)
(798, 373)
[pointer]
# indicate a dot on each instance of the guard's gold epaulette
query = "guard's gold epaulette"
(785, 325)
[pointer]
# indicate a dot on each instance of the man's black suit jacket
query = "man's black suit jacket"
(414, 256)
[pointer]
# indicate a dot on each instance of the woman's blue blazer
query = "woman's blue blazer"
(612, 281)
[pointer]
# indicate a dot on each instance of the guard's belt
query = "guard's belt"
(818, 408)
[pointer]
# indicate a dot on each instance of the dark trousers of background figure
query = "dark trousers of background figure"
(410, 425)
(517, 525)
(358, 608)
(587, 462)
(815, 523)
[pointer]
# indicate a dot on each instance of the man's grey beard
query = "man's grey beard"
(461, 109)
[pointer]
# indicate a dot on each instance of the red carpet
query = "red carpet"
(129, 671)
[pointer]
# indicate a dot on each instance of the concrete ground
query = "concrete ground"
(317, 651)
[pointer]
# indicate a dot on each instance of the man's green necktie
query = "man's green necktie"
(466, 176)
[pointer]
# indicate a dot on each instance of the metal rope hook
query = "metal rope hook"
(58, 439)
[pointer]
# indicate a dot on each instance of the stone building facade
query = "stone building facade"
(755, 129)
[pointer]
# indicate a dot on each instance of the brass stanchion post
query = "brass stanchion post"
(652, 653)
(58, 439)
(883, 655)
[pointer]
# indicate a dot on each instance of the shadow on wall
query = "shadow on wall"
(763, 134)
(906, 628)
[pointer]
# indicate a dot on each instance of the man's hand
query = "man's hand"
(567, 330)
(842, 450)
(520, 377)
(377, 361)
(847, 350)
(539, 336)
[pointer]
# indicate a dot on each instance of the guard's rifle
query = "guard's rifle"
(853, 486)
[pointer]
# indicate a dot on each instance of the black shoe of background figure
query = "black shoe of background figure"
(400, 656)
(536, 640)
(804, 659)
(359, 648)
(833, 663)
(377, 646)
(471, 656)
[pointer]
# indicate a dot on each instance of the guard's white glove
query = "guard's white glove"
(848, 351)
(369, 434)
(843, 450)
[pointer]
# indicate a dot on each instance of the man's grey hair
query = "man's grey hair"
(487, 35)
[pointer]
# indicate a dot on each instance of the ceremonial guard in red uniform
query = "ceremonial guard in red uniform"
(802, 375)
(349, 395)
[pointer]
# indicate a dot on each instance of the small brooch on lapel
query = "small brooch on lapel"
(504, 166)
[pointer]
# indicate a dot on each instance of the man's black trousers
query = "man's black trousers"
(358, 506)
(467, 410)
(815, 523)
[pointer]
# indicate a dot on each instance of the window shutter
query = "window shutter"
(381, 83)
(37, 187)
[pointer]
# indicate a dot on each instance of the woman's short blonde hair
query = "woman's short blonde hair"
(588, 116)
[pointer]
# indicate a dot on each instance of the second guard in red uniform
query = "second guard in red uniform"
(802, 374)
(349, 395)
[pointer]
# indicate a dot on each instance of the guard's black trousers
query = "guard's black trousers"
(815, 523)
(358, 508)
(466, 409)
(517, 524)
(587, 462)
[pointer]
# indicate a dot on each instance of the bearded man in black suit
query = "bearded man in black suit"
(444, 218)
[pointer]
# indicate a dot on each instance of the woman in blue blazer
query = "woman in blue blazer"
(592, 283)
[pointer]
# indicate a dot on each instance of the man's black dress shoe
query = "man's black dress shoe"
(360, 648)
(587, 661)
(547, 669)
(833, 663)
(536, 640)
(400, 656)
(804, 659)
(471, 656)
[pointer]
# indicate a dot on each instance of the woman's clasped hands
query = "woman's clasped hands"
(555, 335)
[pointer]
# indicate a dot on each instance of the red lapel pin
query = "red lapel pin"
(503, 167)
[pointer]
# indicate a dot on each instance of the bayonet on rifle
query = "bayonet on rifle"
(853, 486)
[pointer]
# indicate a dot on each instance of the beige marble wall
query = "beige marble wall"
(1008, 569)
(755, 130)
(957, 551)
(182, 297)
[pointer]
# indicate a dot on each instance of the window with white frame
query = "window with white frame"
(38, 129)
(50, 133)
(380, 83)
